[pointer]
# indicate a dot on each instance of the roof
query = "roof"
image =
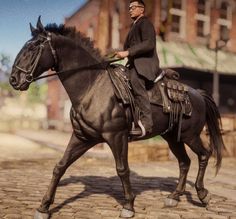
(184, 55)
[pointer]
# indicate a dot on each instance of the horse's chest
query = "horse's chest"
(98, 117)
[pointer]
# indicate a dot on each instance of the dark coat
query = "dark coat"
(141, 44)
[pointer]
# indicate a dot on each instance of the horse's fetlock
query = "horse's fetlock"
(129, 204)
(175, 195)
(131, 197)
(202, 193)
(46, 202)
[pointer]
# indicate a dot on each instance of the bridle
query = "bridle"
(48, 39)
(30, 72)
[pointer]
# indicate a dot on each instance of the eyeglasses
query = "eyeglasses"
(134, 7)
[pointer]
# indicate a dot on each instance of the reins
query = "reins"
(101, 65)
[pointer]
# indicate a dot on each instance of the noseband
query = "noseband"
(30, 73)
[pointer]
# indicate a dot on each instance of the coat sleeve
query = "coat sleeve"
(148, 40)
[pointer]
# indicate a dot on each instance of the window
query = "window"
(201, 7)
(90, 32)
(225, 18)
(177, 4)
(175, 23)
(178, 17)
(203, 18)
(200, 28)
(224, 10)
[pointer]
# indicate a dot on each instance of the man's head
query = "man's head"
(136, 8)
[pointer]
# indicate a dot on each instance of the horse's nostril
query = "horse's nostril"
(12, 80)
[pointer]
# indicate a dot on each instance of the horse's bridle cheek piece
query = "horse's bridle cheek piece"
(30, 73)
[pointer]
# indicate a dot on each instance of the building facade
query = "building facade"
(195, 37)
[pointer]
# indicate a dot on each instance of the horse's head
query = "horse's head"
(36, 57)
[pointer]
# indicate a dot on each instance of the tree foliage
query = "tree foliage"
(37, 93)
(4, 67)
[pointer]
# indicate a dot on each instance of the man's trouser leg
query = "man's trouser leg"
(142, 99)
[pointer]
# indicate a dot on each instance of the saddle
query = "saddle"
(167, 92)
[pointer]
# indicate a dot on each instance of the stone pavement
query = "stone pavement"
(91, 189)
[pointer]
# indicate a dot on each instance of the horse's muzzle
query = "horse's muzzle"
(13, 81)
(18, 86)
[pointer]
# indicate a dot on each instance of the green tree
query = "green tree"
(37, 92)
(5, 68)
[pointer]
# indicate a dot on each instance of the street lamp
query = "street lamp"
(224, 37)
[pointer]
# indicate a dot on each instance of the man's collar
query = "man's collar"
(137, 19)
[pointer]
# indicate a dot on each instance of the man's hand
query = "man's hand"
(122, 54)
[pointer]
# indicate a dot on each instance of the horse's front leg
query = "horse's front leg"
(118, 143)
(75, 149)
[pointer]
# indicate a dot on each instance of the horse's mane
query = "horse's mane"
(85, 42)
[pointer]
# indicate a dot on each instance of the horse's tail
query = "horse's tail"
(214, 125)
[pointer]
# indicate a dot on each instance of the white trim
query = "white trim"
(178, 12)
(224, 22)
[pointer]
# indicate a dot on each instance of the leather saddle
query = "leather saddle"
(167, 92)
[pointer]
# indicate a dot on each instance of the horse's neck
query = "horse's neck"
(78, 83)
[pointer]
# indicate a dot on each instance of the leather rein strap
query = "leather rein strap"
(101, 65)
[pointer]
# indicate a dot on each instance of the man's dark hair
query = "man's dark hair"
(139, 1)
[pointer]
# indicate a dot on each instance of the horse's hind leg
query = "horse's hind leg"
(118, 143)
(179, 151)
(203, 156)
(75, 149)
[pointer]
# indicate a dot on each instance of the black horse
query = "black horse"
(97, 116)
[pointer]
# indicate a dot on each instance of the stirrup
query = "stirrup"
(139, 131)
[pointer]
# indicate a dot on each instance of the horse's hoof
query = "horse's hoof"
(125, 213)
(39, 215)
(207, 199)
(170, 202)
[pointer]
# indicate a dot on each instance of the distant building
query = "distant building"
(187, 32)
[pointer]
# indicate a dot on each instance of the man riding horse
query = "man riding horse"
(97, 115)
(143, 62)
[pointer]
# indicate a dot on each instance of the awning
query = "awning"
(184, 55)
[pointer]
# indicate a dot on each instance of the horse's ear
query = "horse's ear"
(40, 26)
(33, 30)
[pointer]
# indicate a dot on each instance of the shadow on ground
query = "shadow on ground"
(111, 186)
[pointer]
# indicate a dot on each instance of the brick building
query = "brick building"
(187, 34)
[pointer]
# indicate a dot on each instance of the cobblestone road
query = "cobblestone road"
(91, 189)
